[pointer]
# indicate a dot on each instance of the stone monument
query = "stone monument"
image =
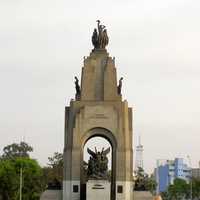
(98, 110)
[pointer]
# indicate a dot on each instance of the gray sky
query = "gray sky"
(156, 44)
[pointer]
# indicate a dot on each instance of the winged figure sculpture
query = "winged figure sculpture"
(98, 164)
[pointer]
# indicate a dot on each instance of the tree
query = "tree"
(151, 185)
(177, 191)
(10, 176)
(56, 160)
(143, 182)
(15, 157)
(8, 180)
(53, 173)
(181, 190)
(16, 150)
(140, 179)
(196, 188)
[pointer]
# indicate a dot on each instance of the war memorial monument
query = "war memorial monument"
(98, 110)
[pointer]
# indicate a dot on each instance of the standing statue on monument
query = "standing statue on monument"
(100, 39)
(119, 87)
(95, 38)
(100, 29)
(77, 87)
(103, 39)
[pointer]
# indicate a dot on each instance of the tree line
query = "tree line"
(15, 161)
(16, 158)
(181, 190)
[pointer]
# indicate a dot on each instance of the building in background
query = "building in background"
(139, 156)
(196, 172)
(168, 170)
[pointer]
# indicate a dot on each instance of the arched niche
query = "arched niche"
(97, 143)
(108, 135)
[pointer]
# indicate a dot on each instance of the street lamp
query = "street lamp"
(20, 184)
(189, 159)
(157, 177)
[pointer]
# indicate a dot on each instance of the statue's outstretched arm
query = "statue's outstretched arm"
(106, 151)
(92, 153)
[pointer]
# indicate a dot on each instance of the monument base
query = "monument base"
(51, 195)
(98, 190)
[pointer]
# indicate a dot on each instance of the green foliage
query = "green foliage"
(179, 190)
(14, 158)
(16, 150)
(10, 179)
(182, 190)
(143, 182)
(32, 175)
(56, 160)
(53, 174)
(140, 180)
(151, 185)
(35, 178)
(196, 188)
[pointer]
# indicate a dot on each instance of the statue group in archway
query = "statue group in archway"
(98, 164)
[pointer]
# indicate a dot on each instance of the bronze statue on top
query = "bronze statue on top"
(78, 89)
(119, 87)
(100, 39)
(98, 164)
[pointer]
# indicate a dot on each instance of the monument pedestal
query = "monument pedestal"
(98, 190)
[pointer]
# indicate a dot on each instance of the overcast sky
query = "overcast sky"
(156, 44)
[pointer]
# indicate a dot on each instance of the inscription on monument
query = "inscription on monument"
(101, 116)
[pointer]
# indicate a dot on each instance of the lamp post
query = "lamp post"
(20, 180)
(189, 159)
(168, 183)
(20, 184)
(157, 176)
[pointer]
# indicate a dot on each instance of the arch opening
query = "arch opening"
(101, 138)
(97, 144)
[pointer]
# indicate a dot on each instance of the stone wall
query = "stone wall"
(143, 195)
(51, 195)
